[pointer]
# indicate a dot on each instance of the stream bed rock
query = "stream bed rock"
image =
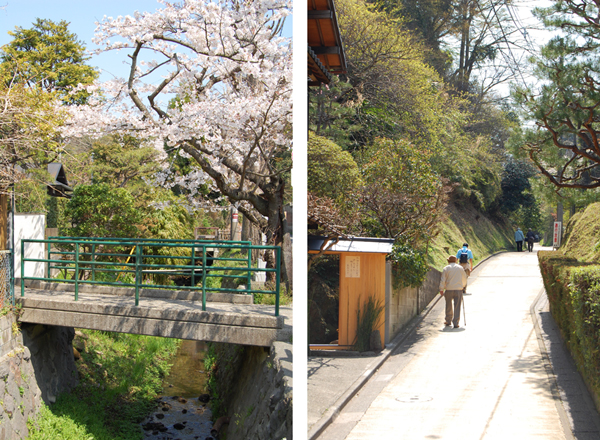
(178, 418)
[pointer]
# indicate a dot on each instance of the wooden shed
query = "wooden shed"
(362, 275)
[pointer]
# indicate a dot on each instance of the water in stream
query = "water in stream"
(180, 415)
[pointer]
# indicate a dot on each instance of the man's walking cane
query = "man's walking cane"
(464, 311)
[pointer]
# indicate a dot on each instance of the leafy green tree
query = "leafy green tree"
(332, 111)
(28, 141)
(331, 171)
(402, 197)
(467, 159)
(399, 95)
(166, 216)
(122, 161)
(102, 211)
(431, 21)
(515, 184)
(333, 180)
(37, 66)
(529, 217)
(48, 56)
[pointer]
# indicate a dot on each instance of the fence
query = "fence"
(6, 293)
(209, 266)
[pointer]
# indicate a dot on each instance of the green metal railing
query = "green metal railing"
(151, 262)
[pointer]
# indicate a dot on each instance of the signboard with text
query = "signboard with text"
(557, 234)
(352, 267)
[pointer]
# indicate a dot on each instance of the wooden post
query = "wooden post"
(3, 221)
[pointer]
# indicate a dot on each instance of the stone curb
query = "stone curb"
(330, 415)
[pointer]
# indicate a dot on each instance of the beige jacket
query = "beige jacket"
(454, 277)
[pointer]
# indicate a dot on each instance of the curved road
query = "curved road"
(490, 379)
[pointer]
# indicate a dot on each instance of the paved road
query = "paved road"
(502, 375)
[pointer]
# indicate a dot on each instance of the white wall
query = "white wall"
(30, 226)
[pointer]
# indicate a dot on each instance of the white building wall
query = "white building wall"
(30, 226)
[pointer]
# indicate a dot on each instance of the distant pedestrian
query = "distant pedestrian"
(519, 237)
(454, 280)
(530, 239)
(465, 259)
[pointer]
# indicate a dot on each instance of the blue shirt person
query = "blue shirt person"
(468, 265)
(519, 237)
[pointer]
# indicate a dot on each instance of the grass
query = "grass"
(466, 225)
(285, 299)
(583, 236)
(120, 377)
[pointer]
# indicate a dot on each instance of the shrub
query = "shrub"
(573, 290)
(585, 299)
(409, 266)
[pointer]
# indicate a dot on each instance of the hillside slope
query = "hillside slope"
(465, 224)
(582, 235)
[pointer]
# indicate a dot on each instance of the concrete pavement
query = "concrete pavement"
(505, 373)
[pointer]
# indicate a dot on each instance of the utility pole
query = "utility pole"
(234, 222)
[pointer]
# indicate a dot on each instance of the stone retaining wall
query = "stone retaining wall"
(20, 395)
(404, 304)
(36, 364)
(256, 390)
(52, 358)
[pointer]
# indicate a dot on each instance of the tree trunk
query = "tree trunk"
(251, 233)
(275, 229)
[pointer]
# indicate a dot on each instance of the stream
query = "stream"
(180, 415)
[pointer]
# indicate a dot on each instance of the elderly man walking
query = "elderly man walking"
(452, 284)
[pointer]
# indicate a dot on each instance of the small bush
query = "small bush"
(409, 265)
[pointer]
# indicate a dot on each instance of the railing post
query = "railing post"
(193, 279)
(22, 267)
(138, 256)
(277, 278)
(249, 280)
(204, 277)
(48, 265)
(93, 261)
(76, 270)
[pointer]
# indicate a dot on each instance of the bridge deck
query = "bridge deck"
(246, 324)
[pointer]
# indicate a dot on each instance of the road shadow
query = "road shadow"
(571, 389)
(450, 329)
(321, 363)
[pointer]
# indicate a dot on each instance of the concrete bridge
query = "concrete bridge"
(84, 299)
(229, 317)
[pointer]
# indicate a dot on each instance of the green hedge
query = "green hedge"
(573, 290)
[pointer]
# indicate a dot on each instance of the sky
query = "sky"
(82, 16)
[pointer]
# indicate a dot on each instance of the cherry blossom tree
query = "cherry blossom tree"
(222, 98)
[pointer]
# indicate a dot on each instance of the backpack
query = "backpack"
(464, 257)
